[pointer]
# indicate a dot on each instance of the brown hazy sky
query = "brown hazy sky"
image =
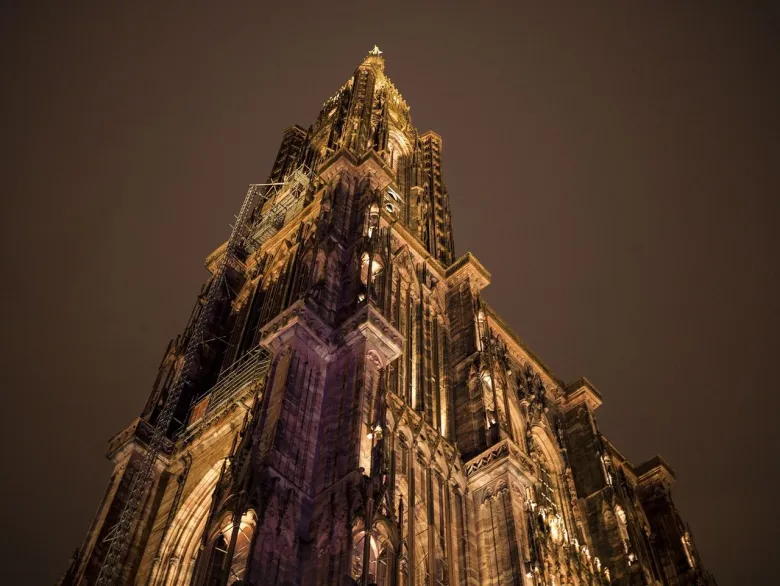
(614, 165)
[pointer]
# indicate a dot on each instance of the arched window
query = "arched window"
(380, 557)
(240, 559)
(304, 272)
(374, 284)
(221, 549)
(217, 561)
(372, 219)
(549, 502)
(392, 201)
(376, 267)
(547, 489)
(461, 535)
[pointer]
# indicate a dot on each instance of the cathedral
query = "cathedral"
(344, 407)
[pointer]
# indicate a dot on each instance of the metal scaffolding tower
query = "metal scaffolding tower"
(120, 536)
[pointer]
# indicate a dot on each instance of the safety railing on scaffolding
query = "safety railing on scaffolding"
(287, 201)
(252, 366)
(238, 382)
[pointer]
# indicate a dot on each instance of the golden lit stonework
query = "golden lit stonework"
(345, 408)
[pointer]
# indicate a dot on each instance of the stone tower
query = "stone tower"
(354, 412)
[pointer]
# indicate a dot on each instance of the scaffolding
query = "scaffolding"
(254, 367)
(286, 202)
(250, 368)
(235, 384)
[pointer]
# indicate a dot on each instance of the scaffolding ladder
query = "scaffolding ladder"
(121, 534)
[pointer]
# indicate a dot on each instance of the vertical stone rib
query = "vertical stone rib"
(412, 517)
(511, 538)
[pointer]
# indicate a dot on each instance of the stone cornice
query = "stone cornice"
(505, 452)
(379, 171)
(655, 471)
(581, 392)
(370, 325)
(298, 319)
(431, 133)
(370, 165)
(468, 267)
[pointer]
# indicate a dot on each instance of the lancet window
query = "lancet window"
(372, 219)
(462, 536)
(371, 276)
(547, 489)
(221, 548)
(238, 564)
(217, 561)
(441, 526)
(379, 563)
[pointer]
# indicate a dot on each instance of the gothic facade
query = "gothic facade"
(355, 413)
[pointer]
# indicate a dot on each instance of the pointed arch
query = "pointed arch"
(179, 550)
(404, 263)
(275, 264)
(545, 442)
(382, 545)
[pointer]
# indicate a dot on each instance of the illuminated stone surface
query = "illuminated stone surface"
(396, 399)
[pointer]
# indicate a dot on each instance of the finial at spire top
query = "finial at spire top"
(375, 59)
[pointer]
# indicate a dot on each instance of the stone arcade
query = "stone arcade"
(357, 414)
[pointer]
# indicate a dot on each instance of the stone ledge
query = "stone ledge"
(309, 325)
(139, 432)
(370, 165)
(505, 451)
(655, 470)
(468, 267)
(369, 324)
(582, 391)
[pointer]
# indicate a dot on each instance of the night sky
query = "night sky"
(614, 166)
